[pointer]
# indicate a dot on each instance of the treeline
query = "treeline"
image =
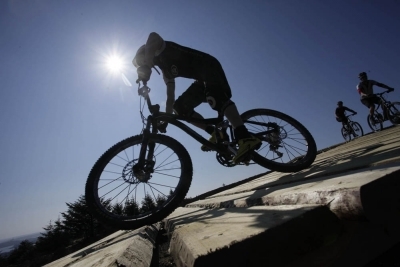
(76, 229)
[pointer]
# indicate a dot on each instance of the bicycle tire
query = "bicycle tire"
(355, 125)
(346, 135)
(294, 162)
(377, 126)
(111, 160)
(393, 112)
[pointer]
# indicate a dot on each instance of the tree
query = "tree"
(147, 204)
(80, 223)
(118, 208)
(55, 238)
(131, 207)
(160, 200)
(22, 254)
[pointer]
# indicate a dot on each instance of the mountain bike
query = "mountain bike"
(142, 179)
(352, 129)
(392, 113)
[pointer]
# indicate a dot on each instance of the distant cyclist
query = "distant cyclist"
(365, 89)
(340, 113)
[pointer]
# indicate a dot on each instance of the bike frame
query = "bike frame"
(156, 116)
(383, 102)
(349, 121)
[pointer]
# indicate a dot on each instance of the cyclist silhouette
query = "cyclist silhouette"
(210, 85)
(366, 91)
(340, 113)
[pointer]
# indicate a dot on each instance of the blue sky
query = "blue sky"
(61, 107)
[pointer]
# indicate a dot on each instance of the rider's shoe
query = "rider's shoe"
(212, 139)
(245, 145)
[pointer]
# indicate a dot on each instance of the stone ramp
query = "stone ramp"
(342, 211)
(352, 189)
(291, 221)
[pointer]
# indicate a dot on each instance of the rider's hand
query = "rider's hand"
(391, 89)
(355, 113)
(144, 73)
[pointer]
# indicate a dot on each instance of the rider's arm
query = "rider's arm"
(170, 82)
(348, 109)
(154, 46)
(381, 85)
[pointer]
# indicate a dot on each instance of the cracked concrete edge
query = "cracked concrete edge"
(141, 252)
(136, 248)
(333, 199)
(368, 201)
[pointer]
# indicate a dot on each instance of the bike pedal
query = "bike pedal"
(205, 149)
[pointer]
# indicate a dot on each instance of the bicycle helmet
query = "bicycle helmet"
(340, 103)
(363, 76)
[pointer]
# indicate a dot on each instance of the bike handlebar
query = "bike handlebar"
(380, 94)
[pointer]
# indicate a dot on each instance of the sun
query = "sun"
(115, 64)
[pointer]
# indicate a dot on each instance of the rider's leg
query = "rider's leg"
(371, 110)
(385, 112)
(246, 141)
(218, 95)
(371, 107)
(190, 99)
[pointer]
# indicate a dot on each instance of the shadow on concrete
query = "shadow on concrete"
(335, 165)
(296, 232)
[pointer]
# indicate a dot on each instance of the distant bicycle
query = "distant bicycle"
(392, 113)
(352, 129)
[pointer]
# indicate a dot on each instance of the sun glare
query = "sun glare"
(115, 64)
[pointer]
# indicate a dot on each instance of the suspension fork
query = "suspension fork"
(146, 146)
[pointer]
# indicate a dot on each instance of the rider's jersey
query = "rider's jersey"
(365, 89)
(176, 60)
(179, 61)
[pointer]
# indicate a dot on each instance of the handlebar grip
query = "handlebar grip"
(155, 108)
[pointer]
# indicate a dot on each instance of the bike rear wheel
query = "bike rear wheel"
(123, 197)
(376, 124)
(346, 134)
(394, 113)
(357, 129)
(290, 149)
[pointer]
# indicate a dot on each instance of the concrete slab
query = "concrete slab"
(373, 150)
(123, 248)
(370, 193)
(271, 236)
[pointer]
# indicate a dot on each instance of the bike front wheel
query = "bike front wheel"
(287, 146)
(120, 195)
(375, 122)
(357, 129)
(393, 113)
(346, 134)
